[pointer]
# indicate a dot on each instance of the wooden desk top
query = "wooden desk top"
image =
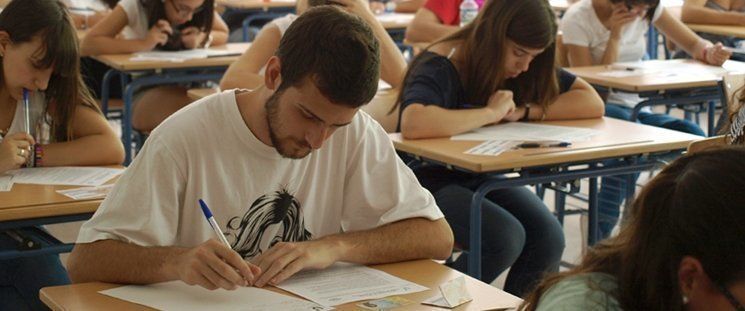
(199, 93)
(27, 201)
(85, 296)
(256, 4)
(683, 74)
(616, 138)
(726, 30)
(123, 62)
(395, 20)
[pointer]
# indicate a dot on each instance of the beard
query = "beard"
(285, 145)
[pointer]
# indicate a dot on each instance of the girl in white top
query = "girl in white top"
(156, 24)
(601, 32)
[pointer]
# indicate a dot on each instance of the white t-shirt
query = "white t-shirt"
(40, 128)
(580, 26)
(136, 20)
(354, 182)
(283, 23)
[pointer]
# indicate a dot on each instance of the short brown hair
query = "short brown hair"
(336, 50)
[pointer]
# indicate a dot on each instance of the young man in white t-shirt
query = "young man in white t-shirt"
(296, 177)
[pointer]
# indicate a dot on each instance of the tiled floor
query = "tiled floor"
(572, 228)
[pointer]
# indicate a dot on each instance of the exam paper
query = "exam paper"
(65, 175)
(343, 283)
(6, 183)
(180, 56)
(178, 295)
(452, 294)
(87, 193)
(521, 131)
(493, 147)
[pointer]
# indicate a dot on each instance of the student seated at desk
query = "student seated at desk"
(500, 68)
(436, 19)
(157, 24)
(717, 12)
(295, 175)
(682, 250)
(598, 32)
(66, 127)
(247, 71)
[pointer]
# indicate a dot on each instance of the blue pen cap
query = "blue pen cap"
(205, 209)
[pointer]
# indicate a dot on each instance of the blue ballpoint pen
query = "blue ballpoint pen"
(26, 107)
(213, 223)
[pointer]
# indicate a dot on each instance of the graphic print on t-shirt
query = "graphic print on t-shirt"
(278, 213)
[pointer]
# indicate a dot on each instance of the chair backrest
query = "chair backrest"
(706, 143)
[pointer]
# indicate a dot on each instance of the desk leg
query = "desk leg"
(474, 252)
(127, 97)
(592, 212)
(105, 90)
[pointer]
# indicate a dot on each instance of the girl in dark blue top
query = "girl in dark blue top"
(500, 68)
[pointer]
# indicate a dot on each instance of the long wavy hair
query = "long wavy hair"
(66, 90)
(529, 23)
(694, 207)
(202, 20)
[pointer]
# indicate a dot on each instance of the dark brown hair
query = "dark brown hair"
(529, 23)
(52, 23)
(651, 3)
(694, 207)
(202, 20)
(336, 50)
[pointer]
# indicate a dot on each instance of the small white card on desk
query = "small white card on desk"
(87, 193)
(6, 183)
(493, 147)
(452, 294)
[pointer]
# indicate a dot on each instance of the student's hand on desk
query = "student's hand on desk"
(285, 259)
(11, 156)
(501, 104)
(192, 37)
(213, 265)
(158, 34)
(717, 54)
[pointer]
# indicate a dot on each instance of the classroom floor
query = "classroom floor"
(573, 227)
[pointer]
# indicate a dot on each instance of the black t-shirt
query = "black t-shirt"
(435, 81)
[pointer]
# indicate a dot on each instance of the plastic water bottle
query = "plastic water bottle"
(468, 11)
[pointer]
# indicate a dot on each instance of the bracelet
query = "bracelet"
(526, 116)
(38, 155)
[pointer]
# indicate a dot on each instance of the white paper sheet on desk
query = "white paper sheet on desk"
(6, 183)
(343, 283)
(691, 68)
(178, 295)
(65, 175)
(180, 56)
(521, 131)
(393, 17)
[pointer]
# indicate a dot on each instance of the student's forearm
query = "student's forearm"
(702, 15)
(433, 121)
(571, 105)
(415, 238)
(392, 62)
(106, 45)
(408, 6)
(611, 52)
(428, 31)
(219, 37)
(119, 262)
(89, 150)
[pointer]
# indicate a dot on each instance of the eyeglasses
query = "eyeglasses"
(183, 10)
(731, 298)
